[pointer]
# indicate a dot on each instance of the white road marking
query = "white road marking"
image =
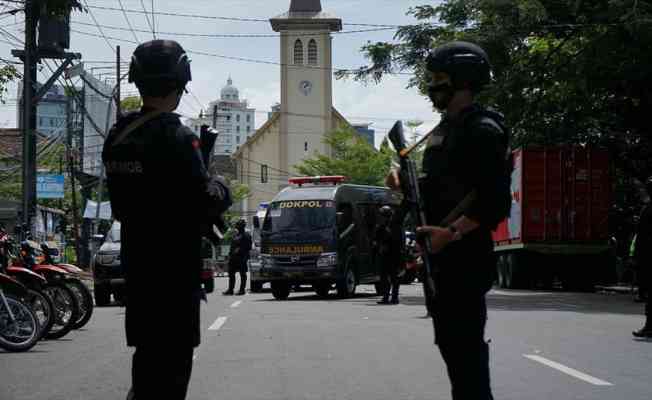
(217, 324)
(567, 370)
(237, 303)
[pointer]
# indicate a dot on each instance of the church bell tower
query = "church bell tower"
(306, 79)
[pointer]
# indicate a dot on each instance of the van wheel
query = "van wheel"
(346, 285)
(280, 290)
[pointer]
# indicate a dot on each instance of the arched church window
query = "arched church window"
(298, 52)
(312, 52)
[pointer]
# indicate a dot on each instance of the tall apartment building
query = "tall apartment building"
(233, 117)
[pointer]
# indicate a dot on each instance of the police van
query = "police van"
(318, 232)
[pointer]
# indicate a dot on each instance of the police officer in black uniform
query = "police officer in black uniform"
(386, 254)
(158, 187)
(643, 257)
(465, 162)
(238, 256)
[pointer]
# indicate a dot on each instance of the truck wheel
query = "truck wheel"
(102, 295)
(256, 287)
(517, 273)
(322, 289)
(280, 290)
(346, 285)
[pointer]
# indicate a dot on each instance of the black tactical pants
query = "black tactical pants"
(160, 372)
(241, 268)
(459, 322)
(389, 277)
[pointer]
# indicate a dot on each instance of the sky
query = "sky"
(380, 104)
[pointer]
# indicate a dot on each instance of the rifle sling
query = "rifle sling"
(142, 120)
(460, 208)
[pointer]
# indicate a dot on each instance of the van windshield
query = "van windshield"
(299, 216)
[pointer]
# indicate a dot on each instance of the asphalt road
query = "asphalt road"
(545, 345)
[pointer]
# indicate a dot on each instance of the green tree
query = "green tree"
(565, 71)
(352, 157)
(7, 74)
(132, 103)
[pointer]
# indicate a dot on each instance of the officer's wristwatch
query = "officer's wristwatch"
(457, 235)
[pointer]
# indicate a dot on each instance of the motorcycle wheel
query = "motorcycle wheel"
(43, 308)
(22, 333)
(66, 309)
(85, 299)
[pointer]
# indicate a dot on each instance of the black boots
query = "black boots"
(385, 300)
(228, 293)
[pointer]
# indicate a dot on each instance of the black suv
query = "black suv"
(108, 275)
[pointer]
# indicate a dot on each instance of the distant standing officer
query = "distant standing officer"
(241, 244)
(643, 257)
(462, 252)
(386, 254)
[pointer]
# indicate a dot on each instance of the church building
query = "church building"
(306, 114)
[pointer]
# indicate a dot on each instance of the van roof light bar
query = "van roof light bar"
(299, 181)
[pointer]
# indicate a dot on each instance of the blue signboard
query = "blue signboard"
(50, 186)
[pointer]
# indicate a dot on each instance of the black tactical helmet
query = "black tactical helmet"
(463, 62)
(159, 67)
(385, 211)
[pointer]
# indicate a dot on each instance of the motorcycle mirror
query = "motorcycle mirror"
(256, 221)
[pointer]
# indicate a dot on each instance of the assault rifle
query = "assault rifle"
(208, 137)
(412, 201)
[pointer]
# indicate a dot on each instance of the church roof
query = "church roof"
(306, 12)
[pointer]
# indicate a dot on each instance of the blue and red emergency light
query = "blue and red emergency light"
(315, 180)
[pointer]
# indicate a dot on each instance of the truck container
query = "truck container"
(558, 227)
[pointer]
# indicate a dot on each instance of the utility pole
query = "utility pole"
(71, 171)
(30, 55)
(29, 116)
(118, 106)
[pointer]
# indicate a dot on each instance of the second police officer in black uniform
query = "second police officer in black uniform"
(161, 193)
(466, 158)
(238, 256)
(387, 252)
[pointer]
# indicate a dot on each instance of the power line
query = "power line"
(147, 18)
(233, 35)
(127, 19)
(222, 18)
(243, 59)
(99, 27)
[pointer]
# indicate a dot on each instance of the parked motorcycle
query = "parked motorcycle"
(64, 301)
(19, 328)
(36, 297)
(74, 280)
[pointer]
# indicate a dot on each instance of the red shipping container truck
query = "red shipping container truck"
(558, 226)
